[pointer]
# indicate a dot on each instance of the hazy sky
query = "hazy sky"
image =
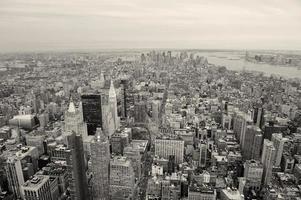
(98, 24)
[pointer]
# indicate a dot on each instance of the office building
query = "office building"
(267, 159)
(133, 154)
(100, 166)
(201, 192)
(252, 143)
(253, 175)
(92, 112)
(113, 105)
(124, 101)
(167, 147)
(155, 110)
(279, 143)
(76, 168)
(74, 120)
(37, 188)
(122, 178)
(203, 154)
(140, 112)
(20, 167)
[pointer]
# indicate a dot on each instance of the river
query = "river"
(235, 61)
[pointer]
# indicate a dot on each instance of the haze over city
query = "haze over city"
(33, 25)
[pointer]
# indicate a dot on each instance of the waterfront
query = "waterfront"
(235, 61)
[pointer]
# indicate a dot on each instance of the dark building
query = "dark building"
(252, 143)
(124, 87)
(270, 128)
(78, 184)
(171, 164)
(92, 112)
(140, 114)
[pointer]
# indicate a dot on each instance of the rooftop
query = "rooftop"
(35, 183)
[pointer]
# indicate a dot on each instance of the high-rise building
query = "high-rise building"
(133, 154)
(78, 184)
(201, 192)
(167, 147)
(118, 142)
(36, 140)
(203, 154)
(252, 143)
(20, 167)
(124, 101)
(253, 175)
(270, 128)
(37, 188)
(114, 120)
(122, 178)
(74, 120)
(267, 159)
(155, 110)
(140, 114)
(278, 142)
(241, 121)
(92, 112)
(100, 158)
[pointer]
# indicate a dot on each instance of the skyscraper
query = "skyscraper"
(76, 168)
(203, 154)
(267, 159)
(252, 143)
(124, 88)
(74, 120)
(113, 122)
(20, 167)
(253, 175)
(155, 110)
(140, 112)
(100, 158)
(122, 178)
(278, 142)
(92, 112)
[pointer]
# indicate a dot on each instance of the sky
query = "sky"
(33, 25)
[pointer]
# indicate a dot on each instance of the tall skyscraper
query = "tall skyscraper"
(74, 120)
(278, 142)
(252, 143)
(78, 184)
(114, 121)
(124, 101)
(100, 158)
(203, 154)
(92, 112)
(267, 159)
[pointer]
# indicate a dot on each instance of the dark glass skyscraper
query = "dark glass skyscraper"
(78, 183)
(92, 112)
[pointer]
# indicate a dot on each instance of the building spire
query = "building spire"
(112, 92)
(102, 79)
(71, 107)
